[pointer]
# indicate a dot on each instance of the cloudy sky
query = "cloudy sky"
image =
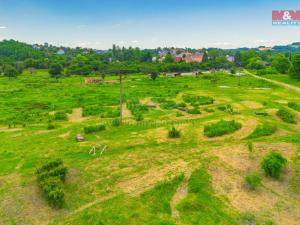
(146, 23)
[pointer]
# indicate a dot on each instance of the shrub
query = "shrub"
(168, 105)
(267, 71)
(136, 108)
(174, 133)
(294, 106)
(226, 108)
(53, 191)
(93, 129)
(198, 100)
(50, 177)
(263, 130)
(261, 113)
(221, 128)
(250, 146)
(51, 126)
(209, 110)
(194, 111)
(60, 116)
(273, 164)
(286, 115)
(253, 180)
(116, 122)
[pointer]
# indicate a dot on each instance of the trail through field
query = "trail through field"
(282, 84)
(179, 195)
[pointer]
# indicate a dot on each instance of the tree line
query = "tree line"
(16, 56)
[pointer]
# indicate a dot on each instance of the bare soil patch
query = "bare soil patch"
(76, 116)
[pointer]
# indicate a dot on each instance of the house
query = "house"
(60, 52)
(230, 58)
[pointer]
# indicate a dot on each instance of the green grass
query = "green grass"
(138, 153)
(221, 128)
(201, 206)
(286, 115)
(294, 105)
(263, 130)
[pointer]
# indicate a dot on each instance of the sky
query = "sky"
(147, 23)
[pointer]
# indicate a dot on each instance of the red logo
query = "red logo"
(285, 15)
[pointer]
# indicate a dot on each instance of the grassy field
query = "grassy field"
(145, 177)
(284, 78)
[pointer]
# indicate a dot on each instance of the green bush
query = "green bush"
(286, 115)
(51, 126)
(253, 180)
(209, 110)
(60, 116)
(263, 130)
(273, 164)
(226, 108)
(294, 106)
(221, 128)
(174, 133)
(168, 105)
(194, 111)
(198, 100)
(136, 108)
(261, 113)
(53, 191)
(116, 122)
(50, 177)
(93, 129)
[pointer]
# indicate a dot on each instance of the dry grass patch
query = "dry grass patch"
(138, 183)
(252, 104)
(76, 116)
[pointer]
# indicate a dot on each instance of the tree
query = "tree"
(10, 71)
(295, 68)
(169, 58)
(281, 63)
(256, 64)
(205, 57)
(55, 70)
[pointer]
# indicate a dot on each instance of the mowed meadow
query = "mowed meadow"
(146, 172)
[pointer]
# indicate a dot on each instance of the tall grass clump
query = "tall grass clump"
(50, 177)
(286, 115)
(263, 130)
(221, 128)
(295, 106)
(136, 109)
(273, 164)
(253, 180)
(198, 100)
(60, 116)
(94, 129)
(174, 133)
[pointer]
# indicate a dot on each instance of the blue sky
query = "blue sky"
(146, 23)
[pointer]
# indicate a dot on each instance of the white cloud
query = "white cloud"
(121, 42)
(134, 42)
(3, 27)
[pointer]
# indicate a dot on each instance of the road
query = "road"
(282, 84)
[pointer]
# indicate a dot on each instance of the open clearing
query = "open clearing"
(145, 177)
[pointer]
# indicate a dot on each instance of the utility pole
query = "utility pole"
(121, 99)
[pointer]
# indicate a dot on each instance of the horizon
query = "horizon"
(148, 24)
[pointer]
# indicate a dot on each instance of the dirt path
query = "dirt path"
(179, 195)
(281, 84)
